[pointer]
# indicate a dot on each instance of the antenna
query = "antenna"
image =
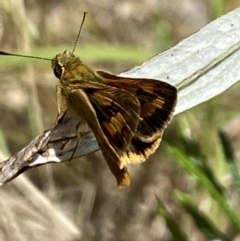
(83, 20)
(24, 56)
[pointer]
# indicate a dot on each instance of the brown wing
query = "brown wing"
(157, 100)
(118, 114)
(113, 116)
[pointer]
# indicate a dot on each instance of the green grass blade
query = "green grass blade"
(230, 159)
(173, 227)
(199, 159)
(189, 166)
(202, 221)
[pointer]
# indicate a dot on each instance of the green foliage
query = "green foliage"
(217, 8)
(230, 159)
(174, 227)
(201, 220)
(193, 161)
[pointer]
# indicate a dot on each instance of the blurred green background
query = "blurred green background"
(187, 190)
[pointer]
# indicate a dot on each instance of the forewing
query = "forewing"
(157, 100)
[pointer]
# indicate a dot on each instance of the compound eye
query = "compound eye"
(58, 71)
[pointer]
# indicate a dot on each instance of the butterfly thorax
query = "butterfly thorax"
(70, 69)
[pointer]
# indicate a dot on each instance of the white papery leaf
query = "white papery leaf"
(201, 66)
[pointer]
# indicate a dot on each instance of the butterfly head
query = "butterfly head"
(70, 69)
(63, 61)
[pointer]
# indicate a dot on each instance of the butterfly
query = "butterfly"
(127, 115)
